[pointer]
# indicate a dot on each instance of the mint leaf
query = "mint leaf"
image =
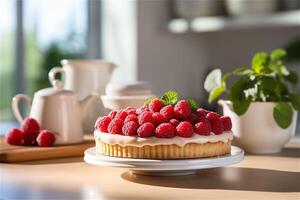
(259, 61)
(295, 99)
(242, 71)
(193, 104)
(278, 54)
(170, 97)
(148, 101)
(214, 94)
(213, 80)
(240, 107)
(283, 114)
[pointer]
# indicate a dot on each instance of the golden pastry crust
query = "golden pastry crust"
(164, 152)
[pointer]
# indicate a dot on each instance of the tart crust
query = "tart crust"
(164, 152)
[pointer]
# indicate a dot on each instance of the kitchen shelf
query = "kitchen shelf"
(217, 23)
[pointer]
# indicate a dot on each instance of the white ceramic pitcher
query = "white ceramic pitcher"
(85, 77)
(57, 110)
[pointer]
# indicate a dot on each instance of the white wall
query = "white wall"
(166, 60)
(180, 62)
(119, 37)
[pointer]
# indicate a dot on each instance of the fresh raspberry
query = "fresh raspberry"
(193, 118)
(102, 123)
(212, 115)
(201, 113)
(112, 114)
(14, 136)
(155, 105)
(146, 130)
(130, 128)
(115, 126)
(168, 111)
(146, 116)
(217, 126)
(182, 109)
(45, 138)
(142, 109)
(203, 127)
(184, 129)
(121, 114)
(131, 117)
(31, 126)
(130, 111)
(165, 130)
(29, 138)
(226, 123)
(174, 122)
(158, 118)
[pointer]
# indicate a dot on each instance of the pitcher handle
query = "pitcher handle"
(56, 82)
(15, 106)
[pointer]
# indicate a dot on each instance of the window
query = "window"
(34, 37)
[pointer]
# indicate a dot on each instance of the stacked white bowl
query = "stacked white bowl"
(122, 95)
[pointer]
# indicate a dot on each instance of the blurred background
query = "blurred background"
(170, 44)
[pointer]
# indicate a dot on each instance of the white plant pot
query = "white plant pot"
(256, 131)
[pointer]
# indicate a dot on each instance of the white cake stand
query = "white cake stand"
(164, 167)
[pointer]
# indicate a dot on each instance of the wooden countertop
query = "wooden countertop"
(274, 176)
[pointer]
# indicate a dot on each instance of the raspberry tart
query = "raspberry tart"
(164, 128)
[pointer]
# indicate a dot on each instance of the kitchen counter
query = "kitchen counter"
(274, 176)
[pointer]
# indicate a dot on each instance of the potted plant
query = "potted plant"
(262, 101)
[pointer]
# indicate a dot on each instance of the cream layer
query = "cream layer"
(124, 140)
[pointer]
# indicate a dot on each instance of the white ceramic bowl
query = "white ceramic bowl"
(117, 103)
(197, 8)
(128, 89)
(250, 7)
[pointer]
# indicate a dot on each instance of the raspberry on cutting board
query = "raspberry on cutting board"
(45, 138)
(14, 136)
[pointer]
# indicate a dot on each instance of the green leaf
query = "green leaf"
(238, 88)
(242, 71)
(148, 101)
(292, 78)
(213, 80)
(283, 70)
(279, 69)
(283, 114)
(193, 104)
(237, 95)
(268, 83)
(170, 97)
(295, 99)
(213, 95)
(278, 54)
(224, 78)
(240, 107)
(259, 61)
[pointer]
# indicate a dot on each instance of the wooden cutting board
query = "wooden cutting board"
(12, 153)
